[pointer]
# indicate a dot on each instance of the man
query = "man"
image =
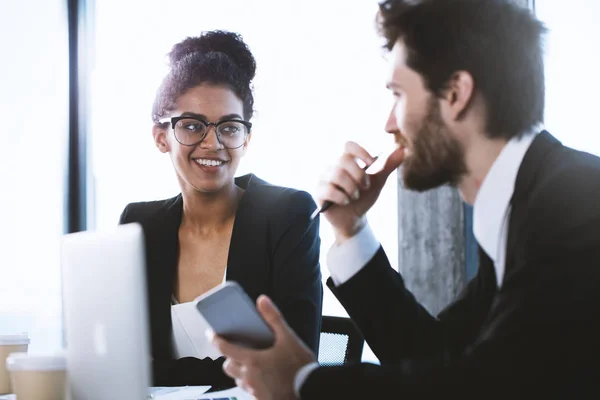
(468, 86)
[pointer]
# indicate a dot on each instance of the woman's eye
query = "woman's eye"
(193, 127)
(229, 129)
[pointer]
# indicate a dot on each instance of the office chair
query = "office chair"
(340, 342)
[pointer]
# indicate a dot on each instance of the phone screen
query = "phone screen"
(232, 315)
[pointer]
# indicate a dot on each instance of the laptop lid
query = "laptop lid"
(106, 317)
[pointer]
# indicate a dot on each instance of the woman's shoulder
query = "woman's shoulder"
(279, 204)
(279, 196)
(144, 210)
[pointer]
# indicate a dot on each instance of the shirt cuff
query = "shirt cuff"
(347, 259)
(302, 375)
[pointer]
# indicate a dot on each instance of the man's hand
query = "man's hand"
(352, 191)
(267, 374)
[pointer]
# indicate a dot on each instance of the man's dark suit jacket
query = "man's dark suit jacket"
(273, 250)
(535, 337)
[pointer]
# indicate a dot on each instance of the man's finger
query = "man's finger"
(342, 179)
(355, 150)
(230, 350)
(272, 315)
(232, 368)
(242, 384)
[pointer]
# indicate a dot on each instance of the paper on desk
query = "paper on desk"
(189, 338)
(176, 393)
(235, 393)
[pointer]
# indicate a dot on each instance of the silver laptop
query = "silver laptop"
(106, 314)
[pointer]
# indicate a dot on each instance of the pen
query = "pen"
(325, 206)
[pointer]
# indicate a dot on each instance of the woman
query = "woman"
(220, 227)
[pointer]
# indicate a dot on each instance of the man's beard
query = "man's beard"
(436, 157)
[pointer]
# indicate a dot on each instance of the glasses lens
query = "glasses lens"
(232, 133)
(189, 131)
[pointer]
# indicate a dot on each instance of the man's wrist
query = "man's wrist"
(342, 236)
(347, 259)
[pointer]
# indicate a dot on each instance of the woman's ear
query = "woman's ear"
(245, 147)
(160, 138)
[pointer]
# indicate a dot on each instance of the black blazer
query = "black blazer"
(273, 250)
(538, 336)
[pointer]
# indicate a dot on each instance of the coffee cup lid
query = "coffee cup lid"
(30, 362)
(14, 339)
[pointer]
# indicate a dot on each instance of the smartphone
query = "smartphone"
(232, 315)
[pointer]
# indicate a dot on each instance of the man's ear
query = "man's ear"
(459, 94)
(160, 138)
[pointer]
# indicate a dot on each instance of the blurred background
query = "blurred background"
(320, 82)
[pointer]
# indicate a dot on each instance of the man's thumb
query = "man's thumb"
(392, 162)
(271, 314)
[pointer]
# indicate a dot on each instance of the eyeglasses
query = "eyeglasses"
(190, 131)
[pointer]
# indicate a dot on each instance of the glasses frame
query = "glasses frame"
(174, 120)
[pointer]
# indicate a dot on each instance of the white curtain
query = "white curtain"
(34, 106)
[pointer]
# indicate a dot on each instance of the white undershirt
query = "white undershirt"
(189, 327)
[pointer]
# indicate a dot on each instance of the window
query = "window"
(34, 102)
(327, 74)
(572, 64)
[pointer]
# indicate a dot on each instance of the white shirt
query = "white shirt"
(491, 212)
(189, 328)
(491, 208)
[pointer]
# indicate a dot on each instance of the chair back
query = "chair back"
(340, 342)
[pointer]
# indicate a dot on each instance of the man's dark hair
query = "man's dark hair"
(499, 43)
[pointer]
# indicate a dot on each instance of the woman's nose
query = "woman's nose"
(211, 141)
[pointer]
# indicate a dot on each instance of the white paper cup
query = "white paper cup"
(10, 344)
(38, 377)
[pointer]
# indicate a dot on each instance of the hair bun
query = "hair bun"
(228, 43)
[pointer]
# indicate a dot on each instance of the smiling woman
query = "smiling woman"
(320, 81)
(203, 161)
(221, 227)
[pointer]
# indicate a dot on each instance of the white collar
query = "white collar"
(492, 201)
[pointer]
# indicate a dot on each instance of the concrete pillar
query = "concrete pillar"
(431, 248)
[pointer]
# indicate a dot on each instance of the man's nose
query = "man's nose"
(391, 126)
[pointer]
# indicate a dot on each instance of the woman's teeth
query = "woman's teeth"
(208, 163)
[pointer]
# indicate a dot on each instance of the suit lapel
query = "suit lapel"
(162, 250)
(245, 261)
(236, 246)
(164, 247)
(526, 178)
